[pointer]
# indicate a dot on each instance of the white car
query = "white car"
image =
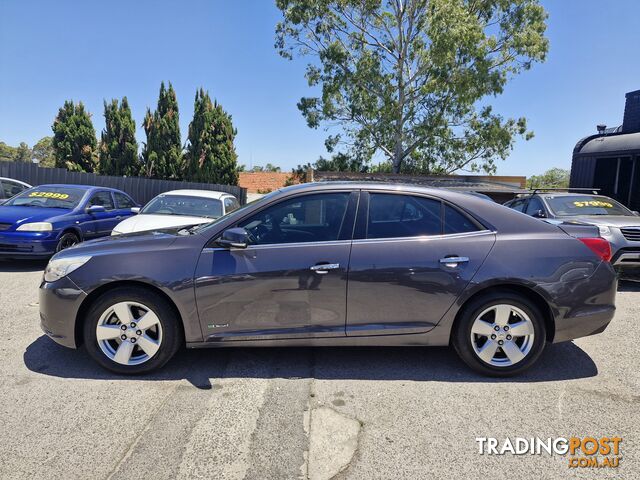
(178, 208)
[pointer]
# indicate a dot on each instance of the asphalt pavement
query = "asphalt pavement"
(305, 412)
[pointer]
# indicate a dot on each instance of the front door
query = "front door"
(411, 258)
(290, 282)
(101, 223)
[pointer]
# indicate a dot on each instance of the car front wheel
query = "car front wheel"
(500, 334)
(132, 331)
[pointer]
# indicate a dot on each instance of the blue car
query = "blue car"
(45, 219)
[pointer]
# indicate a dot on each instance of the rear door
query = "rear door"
(411, 257)
(102, 222)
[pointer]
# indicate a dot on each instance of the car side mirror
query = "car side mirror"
(539, 214)
(135, 209)
(234, 238)
(95, 209)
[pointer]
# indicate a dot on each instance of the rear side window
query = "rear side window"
(393, 216)
(123, 201)
(230, 204)
(11, 188)
(457, 222)
(517, 205)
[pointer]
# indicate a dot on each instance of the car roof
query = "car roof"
(14, 180)
(79, 187)
(199, 193)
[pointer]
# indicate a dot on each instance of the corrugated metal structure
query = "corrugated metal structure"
(141, 189)
(610, 159)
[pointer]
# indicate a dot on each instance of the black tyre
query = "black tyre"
(500, 334)
(68, 239)
(132, 330)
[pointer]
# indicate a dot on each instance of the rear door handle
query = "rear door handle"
(453, 261)
(324, 268)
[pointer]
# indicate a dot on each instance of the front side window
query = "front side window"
(309, 218)
(48, 197)
(184, 205)
(534, 206)
(102, 199)
(392, 215)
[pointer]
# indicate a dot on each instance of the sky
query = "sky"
(89, 51)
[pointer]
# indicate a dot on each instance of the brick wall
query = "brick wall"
(263, 182)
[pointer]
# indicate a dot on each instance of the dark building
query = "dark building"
(610, 159)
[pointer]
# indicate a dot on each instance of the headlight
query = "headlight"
(604, 230)
(61, 267)
(35, 227)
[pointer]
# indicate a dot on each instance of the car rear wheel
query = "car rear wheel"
(500, 334)
(68, 239)
(132, 331)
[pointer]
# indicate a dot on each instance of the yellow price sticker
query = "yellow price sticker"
(593, 203)
(56, 195)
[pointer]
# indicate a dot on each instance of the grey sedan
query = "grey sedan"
(344, 264)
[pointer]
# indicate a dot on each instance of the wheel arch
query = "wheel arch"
(98, 292)
(71, 229)
(523, 290)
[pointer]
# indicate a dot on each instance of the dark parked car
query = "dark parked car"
(334, 264)
(49, 218)
(616, 223)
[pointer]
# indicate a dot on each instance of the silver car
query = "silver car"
(617, 224)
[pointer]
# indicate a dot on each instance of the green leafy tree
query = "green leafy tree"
(7, 152)
(162, 153)
(74, 138)
(552, 178)
(412, 78)
(211, 155)
(118, 146)
(23, 153)
(43, 152)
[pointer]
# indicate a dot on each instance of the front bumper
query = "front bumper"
(28, 244)
(59, 305)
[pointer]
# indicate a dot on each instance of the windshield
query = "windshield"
(184, 205)
(48, 197)
(572, 205)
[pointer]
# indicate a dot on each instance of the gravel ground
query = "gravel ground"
(304, 413)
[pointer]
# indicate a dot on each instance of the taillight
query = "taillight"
(599, 246)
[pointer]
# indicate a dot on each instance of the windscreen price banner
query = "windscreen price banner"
(581, 452)
(59, 196)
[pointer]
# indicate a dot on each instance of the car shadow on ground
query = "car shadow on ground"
(22, 265)
(203, 367)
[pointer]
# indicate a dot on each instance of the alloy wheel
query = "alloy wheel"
(129, 333)
(502, 335)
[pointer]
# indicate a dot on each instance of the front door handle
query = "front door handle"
(453, 261)
(323, 268)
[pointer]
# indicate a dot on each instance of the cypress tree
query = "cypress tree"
(118, 146)
(211, 155)
(74, 138)
(162, 154)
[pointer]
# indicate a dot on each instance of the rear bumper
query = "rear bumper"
(589, 305)
(28, 244)
(59, 305)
